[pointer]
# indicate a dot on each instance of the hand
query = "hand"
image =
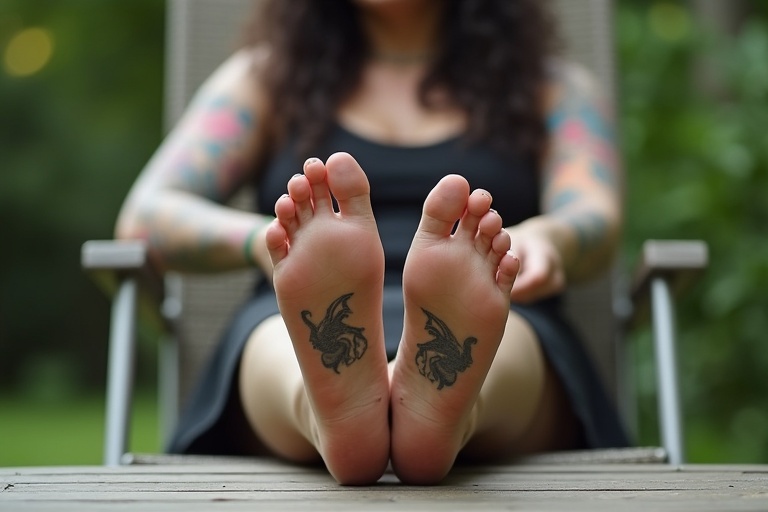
(541, 267)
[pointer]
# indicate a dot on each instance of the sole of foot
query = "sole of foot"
(328, 277)
(456, 288)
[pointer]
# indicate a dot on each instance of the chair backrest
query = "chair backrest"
(587, 26)
(202, 33)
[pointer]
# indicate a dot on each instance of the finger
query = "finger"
(538, 283)
(532, 281)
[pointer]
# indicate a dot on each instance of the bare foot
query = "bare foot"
(328, 276)
(456, 292)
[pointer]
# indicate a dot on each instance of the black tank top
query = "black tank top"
(402, 176)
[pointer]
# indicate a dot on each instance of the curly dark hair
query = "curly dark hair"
(491, 59)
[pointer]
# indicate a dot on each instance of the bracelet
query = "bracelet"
(248, 246)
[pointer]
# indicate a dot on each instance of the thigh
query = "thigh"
(246, 392)
(522, 406)
(272, 394)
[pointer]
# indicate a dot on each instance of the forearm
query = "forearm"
(582, 177)
(192, 234)
(176, 203)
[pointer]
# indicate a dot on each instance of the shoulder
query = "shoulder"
(238, 77)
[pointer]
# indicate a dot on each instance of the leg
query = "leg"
(456, 292)
(522, 407)
(328, 277)
(272, 394)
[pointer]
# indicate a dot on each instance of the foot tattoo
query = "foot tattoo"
(442, 359)
(338, 342)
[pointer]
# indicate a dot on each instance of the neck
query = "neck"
(401, 59)
(404, 32)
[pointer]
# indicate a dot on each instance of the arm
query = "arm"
(577, 234)
(176, 204)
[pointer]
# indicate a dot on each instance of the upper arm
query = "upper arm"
(211, 150)
(581, 165)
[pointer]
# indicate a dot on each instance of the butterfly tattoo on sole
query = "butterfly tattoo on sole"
(442, 358)
(339, 343)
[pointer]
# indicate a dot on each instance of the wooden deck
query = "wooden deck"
(270, 485)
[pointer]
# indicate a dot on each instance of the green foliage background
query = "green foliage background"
(74, 136)
(72, 139)
(697, 163)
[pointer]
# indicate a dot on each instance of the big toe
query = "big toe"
(444, 205)
(349, 184)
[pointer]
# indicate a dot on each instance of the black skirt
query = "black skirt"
(215, 400)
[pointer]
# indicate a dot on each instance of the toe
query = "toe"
(300, 192)
(317, 175)
(277, 241)
(349, 185)
(444, 205)
(285, 211)
(500, 245)
(509, 266)
(490, 225)
(478, 204)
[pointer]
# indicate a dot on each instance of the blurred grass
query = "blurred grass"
(42, 432)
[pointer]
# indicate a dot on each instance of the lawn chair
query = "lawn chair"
(191, 310)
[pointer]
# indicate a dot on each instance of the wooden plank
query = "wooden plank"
(278, 485)
(267, 484)
(269, 465)
(427, 500)
(320, 477)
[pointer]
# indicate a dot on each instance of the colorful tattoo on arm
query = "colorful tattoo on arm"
(211, 165)
(563, 199)
(339, 343)
(582, 128)
(442, 358)
(189, 234)
(582, 169)
(590, 228)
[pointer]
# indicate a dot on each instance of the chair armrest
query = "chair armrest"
(122, 269)
(666, 268)
(108, 261)
(679, 262)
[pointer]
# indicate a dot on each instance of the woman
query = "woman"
(377, 252)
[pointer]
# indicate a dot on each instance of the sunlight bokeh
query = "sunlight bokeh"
(28, 52)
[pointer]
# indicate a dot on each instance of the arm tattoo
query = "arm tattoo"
(590, 230)
(213, 167)
(563, 199)
(583, 162)
(338, 342)
(441, 359)
(581, 121)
